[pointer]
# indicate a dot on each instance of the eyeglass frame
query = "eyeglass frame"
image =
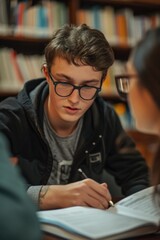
(55, 83)
(128, 77)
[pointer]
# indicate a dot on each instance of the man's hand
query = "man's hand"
(83, 193)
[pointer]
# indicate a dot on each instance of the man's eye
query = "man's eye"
(65, 83)
(87, 86)
(61, 80)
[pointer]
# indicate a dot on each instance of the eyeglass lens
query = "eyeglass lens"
(123, 85)
(66, 89)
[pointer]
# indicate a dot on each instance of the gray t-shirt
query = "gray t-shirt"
(62, 149)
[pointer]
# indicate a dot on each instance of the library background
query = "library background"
(27, 26)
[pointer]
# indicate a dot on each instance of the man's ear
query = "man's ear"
(45, 71)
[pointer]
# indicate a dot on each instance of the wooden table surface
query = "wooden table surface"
(146, 237)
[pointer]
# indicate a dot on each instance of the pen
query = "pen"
(83, 174)
(111, 204)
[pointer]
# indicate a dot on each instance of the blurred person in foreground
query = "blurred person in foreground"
(18, 218)
(141, 86)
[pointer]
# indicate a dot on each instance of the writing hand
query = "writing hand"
(83, 193)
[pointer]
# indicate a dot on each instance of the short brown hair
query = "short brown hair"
(80, 43)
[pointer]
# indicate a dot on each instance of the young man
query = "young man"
(18, 215)
(59, 124)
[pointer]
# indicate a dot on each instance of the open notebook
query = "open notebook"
(135, 215)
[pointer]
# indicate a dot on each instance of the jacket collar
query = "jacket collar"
(32, 97)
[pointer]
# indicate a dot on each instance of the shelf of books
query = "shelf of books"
(32, 18)
(118, 19)
(121, 22)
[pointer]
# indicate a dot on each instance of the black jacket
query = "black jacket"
(103, 144)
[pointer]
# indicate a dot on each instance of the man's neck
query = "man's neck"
(61, 128)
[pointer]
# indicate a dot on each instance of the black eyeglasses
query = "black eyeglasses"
(64, 89)
(123, 84)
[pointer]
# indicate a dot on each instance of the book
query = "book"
(121, 27)
(108, 24)
(132, 216)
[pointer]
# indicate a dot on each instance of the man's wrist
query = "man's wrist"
(42, 193)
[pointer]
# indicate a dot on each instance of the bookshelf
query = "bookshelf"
(27, 39)
(25, 45)
(15, 32)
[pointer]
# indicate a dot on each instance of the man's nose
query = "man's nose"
(74, 97)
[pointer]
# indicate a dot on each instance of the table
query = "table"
(146, 237)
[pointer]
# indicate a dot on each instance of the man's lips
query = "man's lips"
(71, 109)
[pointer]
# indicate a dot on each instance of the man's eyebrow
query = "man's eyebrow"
(72, 79)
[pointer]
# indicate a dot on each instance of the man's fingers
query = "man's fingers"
(96, 203)
(98, 194)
